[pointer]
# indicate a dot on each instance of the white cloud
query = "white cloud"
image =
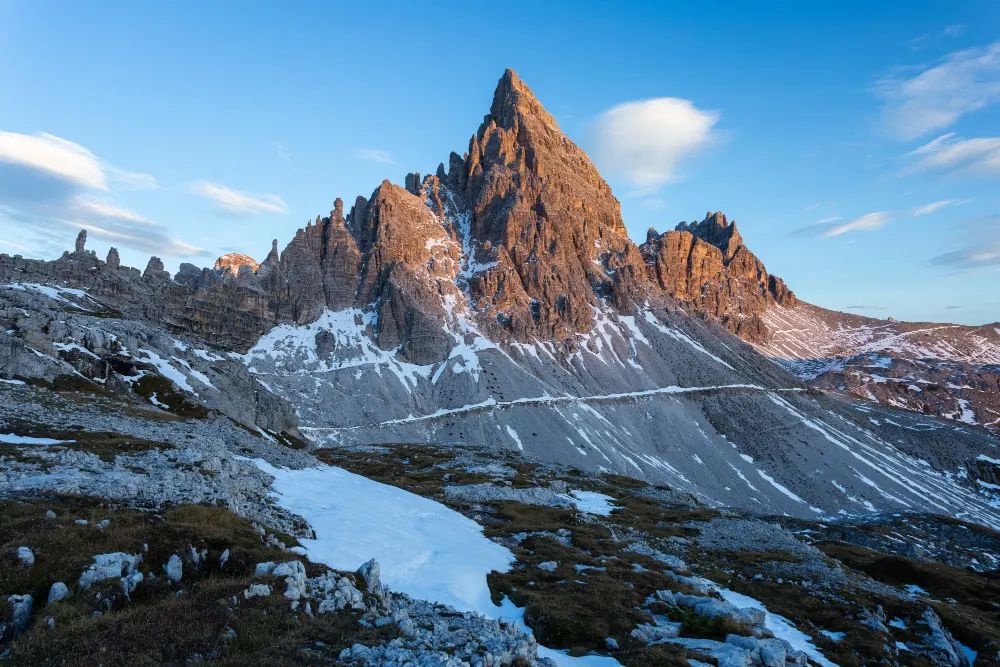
(149, 237)
(949, 153)
(927, 209)
(937, 97)
(865, 223)
(104, 209)
(14, 245)
(49, 185)
(978, 246)
(646, 141)
(59, 159)
(133, 180)
(815, 229)
(376, 155)
(66, 161)
(237, 202)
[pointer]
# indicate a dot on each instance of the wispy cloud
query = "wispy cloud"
(376, 155)
(51, 186)
(150, 237)
(66, 161)
(104, 209)
(865, 223)
(867, 308)
(282, 152)
(980, 155)
(815, 229)
(646, 141)
(927, 209)
(979, 246)
(132, 180)
(652, 203)
(936, 97)
(237, 202)
(810, 207)
(14, 245)
(925, 40)
(53, 157)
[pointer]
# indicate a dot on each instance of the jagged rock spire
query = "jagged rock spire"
(513, 101)
(81, 242)
(717, 230)
(554, 226)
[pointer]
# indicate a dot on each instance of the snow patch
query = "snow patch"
(11, 439)
(592, 502)
(779, 626)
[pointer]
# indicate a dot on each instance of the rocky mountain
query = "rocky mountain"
(939, 369)
(706, 265)
(501, 302)
(488, 341)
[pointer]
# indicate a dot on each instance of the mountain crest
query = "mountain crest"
(514, 104)
(717, 230)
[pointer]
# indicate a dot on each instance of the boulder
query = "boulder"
(58, 591)
(653, 633)
(371, 573)
(174, 568)
(108, 566)
(20, 612)
(26, 557)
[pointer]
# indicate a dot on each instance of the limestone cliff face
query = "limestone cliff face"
(545, 220)
(706, 265)
(408, 273)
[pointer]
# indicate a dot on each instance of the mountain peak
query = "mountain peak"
(717, 230)
(231, 263)
(513, 101)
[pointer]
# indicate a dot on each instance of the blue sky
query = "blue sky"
(857, 144)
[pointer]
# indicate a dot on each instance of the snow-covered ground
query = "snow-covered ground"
(11, 439)
(593, 502)
(424, 549)
(778, 625)
(432, 552)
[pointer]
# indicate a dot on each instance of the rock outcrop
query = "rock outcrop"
(229, 265)
(706, 265)
(542, 223)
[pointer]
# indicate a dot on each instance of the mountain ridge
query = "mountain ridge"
(499, 302)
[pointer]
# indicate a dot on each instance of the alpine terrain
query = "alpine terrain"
(469, 421)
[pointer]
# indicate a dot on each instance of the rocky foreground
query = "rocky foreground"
(106, 533)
